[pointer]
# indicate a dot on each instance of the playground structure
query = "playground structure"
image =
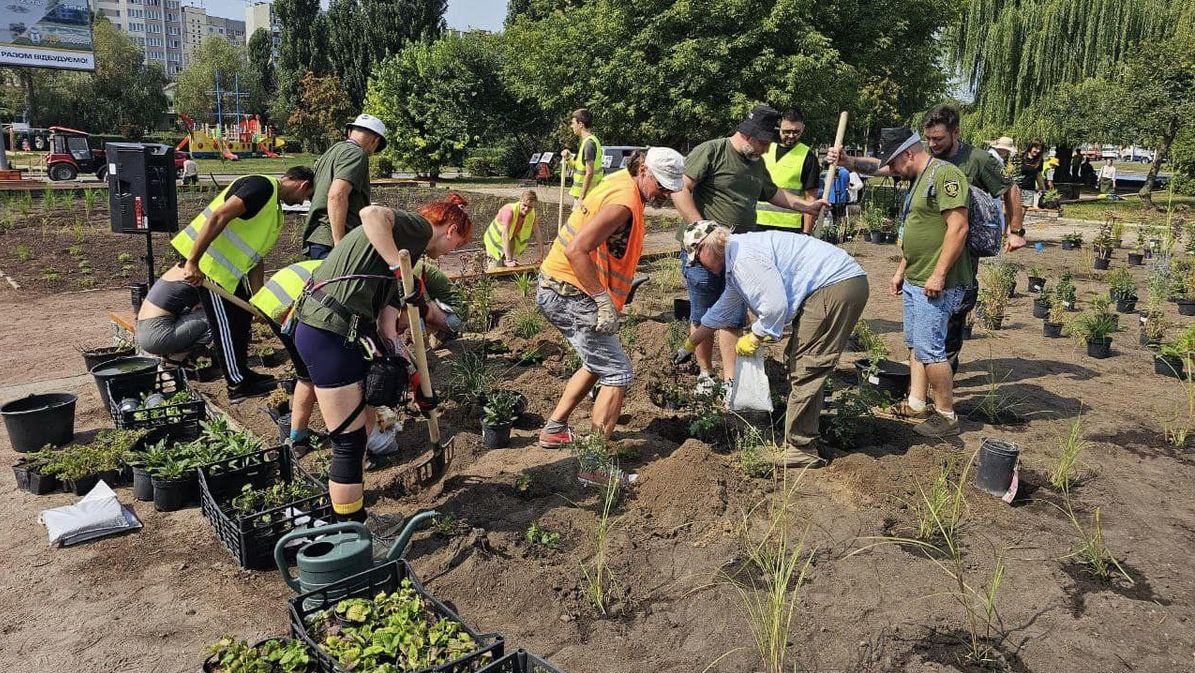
(242, 136)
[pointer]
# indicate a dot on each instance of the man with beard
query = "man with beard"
(724, 180)
(941, 131)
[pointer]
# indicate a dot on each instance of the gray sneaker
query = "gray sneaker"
(937, 426)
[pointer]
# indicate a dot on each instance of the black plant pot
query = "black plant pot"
(875, 236)
(1150, 342)
(41, 484)
(892, 378)
(680, 309)
(81, 485)
(208, 374)
(1126, 305)
(111, 478)
(1070, 245)
(1100, 349)
(1036, 283)
(890, 237)
(1136, 258)
(1100, 263)
(21, 473)
(174, 494)
(1186, 306)
(496, 436)
(137, 295)
(1041, 308)
(1169, 365)
(143, 486)
(1051, 330)
(992, 322)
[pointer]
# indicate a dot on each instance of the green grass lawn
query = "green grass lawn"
(1129, 209)
(255, 166)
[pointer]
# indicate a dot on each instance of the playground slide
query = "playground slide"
(265, 150)
(183, 143)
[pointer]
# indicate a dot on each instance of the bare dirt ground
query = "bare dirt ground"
(151, 600)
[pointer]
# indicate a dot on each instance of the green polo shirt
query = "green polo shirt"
(981, 169)
(727, 185)
(355, 256)
(343, 161)
(925, 225)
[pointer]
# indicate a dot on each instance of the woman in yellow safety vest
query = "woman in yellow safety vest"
(587, 276)
(510, 232)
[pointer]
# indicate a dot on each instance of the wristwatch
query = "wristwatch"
(1018, 232)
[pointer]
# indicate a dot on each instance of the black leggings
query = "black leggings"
(954, 327)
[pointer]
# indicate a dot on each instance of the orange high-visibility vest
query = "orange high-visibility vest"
(615, 274)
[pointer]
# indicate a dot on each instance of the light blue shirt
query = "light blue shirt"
(772, 272)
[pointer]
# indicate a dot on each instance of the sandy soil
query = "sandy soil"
(149, 601)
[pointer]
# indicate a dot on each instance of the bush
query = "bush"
(481, 165)
(380, 166)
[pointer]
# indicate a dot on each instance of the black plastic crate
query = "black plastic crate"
(387, 577)
(521, 661)
(251, 539)
(166, 382)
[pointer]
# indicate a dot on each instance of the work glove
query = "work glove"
(426, 405)
(607, 315)
(684, 353)
(747, 344)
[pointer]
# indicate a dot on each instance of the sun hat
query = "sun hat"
(668, 167)
(695, 233)
(1004, 143)
(893, 141)
(763, 123)
(370, 123)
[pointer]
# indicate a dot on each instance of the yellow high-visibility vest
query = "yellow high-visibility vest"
(786, 173)
(519, 236)
(240, 247)
(276, 297)
(599, 171)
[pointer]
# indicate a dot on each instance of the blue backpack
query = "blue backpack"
(985, 217)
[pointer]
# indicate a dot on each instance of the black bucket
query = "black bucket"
(891, 379)
(997, 465)
(94, 357)
(119, 368)
(143, 485)
(37, 420)
(496, 436)
(680, 309)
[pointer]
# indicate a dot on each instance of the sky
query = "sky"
(487, 14)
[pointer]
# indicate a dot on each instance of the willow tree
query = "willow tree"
(1014, 53)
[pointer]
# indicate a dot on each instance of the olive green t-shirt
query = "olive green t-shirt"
(925, 224)
(343, 161)
(982, 170)
(436, 284)
(727, 185)
(355, 255)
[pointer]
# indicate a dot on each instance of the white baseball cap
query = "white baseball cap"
(370, 123)
(668, 167)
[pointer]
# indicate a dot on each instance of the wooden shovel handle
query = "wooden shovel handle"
(425, 381)
(833, 168)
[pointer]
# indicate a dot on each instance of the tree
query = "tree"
(302, 49)
(194, 93)
(439, 99)
(363, 33)
(261, 60)
(322, 111)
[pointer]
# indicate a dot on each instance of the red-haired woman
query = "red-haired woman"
(356, 293)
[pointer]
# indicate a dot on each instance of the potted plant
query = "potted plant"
(1051, 200)
(1122, 290)
(498, 417)
(877, 371)
(1153, 326)
(174, 479)
(873, 223)
(277, 403)
(1051, 327)
(1065, 291)
(1175, 357)
(1008, 277)
(1102, 246)
(1095, 328)
(1072, 241)
(206, 371)
(1182, 285)
(1137, 257)
(1037, 282)
(993, 296)
(1041, 306)
(273, 655)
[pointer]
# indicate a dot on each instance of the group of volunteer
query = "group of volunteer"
(748, 204)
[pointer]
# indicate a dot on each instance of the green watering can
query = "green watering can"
(342, 550)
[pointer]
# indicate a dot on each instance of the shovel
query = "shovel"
(438, 461)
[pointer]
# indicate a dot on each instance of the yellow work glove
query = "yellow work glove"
(684, 353)
(747, 344)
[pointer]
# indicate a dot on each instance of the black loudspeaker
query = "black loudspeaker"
(142, 196)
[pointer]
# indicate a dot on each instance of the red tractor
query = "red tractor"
(71, 154)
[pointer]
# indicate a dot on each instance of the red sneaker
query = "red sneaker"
(555, 440)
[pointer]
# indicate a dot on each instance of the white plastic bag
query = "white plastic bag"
(751, 391)
(98, 514)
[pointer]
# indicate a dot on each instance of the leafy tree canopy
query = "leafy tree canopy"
(196, 85)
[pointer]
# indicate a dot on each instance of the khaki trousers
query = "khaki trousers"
(819, 333)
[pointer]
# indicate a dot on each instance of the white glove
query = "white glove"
(607, 315)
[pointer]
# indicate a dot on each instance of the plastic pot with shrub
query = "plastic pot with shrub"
(1095, 328)
(497, 418)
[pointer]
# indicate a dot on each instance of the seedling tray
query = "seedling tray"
(520, 661)
(386, 577)
(251, 538)
(164, 382)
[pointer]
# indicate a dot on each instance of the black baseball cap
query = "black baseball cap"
(895, 140)
(763, 124)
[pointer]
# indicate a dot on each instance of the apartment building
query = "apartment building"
(260, 14)
(168, 32)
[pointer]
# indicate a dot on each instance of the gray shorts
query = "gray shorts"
(167, 335)
(600, 354)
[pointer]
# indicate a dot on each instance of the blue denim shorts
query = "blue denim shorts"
(705, 289)
(575, 317)
(926, 321)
